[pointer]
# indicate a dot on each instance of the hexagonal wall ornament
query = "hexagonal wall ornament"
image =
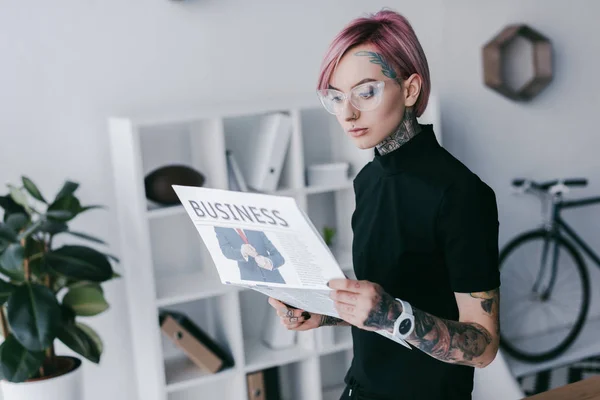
(494, 59)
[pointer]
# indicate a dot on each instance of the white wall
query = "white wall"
(68, 65)
(553, 136)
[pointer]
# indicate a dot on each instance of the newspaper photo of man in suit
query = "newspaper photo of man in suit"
(257, 258)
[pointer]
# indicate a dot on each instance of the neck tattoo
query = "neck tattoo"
(408, 128)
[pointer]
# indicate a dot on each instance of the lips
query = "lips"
(357, 131)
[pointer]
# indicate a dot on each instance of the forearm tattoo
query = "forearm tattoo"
(385, 312)
(408, 128)
(327, 320)
(490, 303)
(450, 341)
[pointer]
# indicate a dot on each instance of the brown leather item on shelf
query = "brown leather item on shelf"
(586, 389)
(256, 386)
(194, 343)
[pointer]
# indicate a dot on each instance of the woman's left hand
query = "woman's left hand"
(364, 304)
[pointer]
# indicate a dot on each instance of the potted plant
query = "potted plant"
(45, 286)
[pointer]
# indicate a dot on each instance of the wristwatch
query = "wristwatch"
(405, 324)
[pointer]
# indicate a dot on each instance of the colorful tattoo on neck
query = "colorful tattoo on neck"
(378, 59)
(408, 128)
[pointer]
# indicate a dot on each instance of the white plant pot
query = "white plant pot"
(68, 386)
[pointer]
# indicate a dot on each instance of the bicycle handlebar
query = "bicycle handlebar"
(548, 184)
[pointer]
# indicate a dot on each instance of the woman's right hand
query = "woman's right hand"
(295, 319)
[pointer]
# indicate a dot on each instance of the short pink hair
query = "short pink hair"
(393, 37)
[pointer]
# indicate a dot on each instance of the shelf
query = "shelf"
(587, 344)
(344, 257)
(184, 287)
(333, 392)
(182, 373)
(259, 356)
(166, 211)
(342, 346)
(343, 185)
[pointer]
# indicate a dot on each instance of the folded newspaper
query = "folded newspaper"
(266, 243)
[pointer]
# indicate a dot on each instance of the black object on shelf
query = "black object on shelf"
(157, 183)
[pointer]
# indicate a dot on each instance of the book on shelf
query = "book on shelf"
(266, 243)
(237, 181)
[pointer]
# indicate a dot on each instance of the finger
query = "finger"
(289, 313)
(278, 305)
(344, 308)
(343, 296)
(294, 325)
(293, 320)
(349, 285)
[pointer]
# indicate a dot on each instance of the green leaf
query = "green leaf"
(8, 233)
(6, 289)
(87, 208)
(80, 284)
(116, 275)
(80, 342)
(34, 316)
(17, 364)
(81, 263)
(32, 189)
(18, 196)
(33, 228)
(10, 207)
(95, 338)
(11, 262)
(68, 189)
(86, 301)
(69, 204)
(53, 227)
(60, 214)
(115, 259)
(68, 315)
(17, 221)
(86, 236)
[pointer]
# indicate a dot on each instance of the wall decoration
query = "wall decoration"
(158, 182)
(494, 57)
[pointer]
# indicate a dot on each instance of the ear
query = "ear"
(412, 89)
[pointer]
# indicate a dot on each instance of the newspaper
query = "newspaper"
(266, 243)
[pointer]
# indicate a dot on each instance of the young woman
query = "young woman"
(425, 245)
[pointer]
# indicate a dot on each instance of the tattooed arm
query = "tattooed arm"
(471, 341)
(327, 320)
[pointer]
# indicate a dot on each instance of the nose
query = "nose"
(350, 112)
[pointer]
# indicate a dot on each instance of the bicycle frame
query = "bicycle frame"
(559, 226)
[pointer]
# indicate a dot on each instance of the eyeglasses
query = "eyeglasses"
(365, 97)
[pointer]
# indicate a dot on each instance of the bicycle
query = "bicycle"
(534, 281)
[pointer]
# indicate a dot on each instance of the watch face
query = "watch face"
(404, 327)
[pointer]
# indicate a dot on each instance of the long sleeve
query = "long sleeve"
(228, 250)
(274, 255)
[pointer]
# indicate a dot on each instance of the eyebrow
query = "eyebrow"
(356, 84)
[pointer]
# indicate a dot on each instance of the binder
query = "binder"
(261, 153)
(194, 342)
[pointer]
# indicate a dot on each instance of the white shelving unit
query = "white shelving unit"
(168, 267)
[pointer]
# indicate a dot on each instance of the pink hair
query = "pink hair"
(393, 37)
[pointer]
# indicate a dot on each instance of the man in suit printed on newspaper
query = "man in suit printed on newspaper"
(257, 258)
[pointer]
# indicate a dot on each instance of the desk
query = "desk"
(587, 389)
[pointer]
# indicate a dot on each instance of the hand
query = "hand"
(295, 319)
(364, 304)
(248, 250)
(264, 262)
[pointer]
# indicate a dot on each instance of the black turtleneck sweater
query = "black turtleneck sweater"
(424, 228)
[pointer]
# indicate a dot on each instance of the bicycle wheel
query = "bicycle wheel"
(534, 327)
